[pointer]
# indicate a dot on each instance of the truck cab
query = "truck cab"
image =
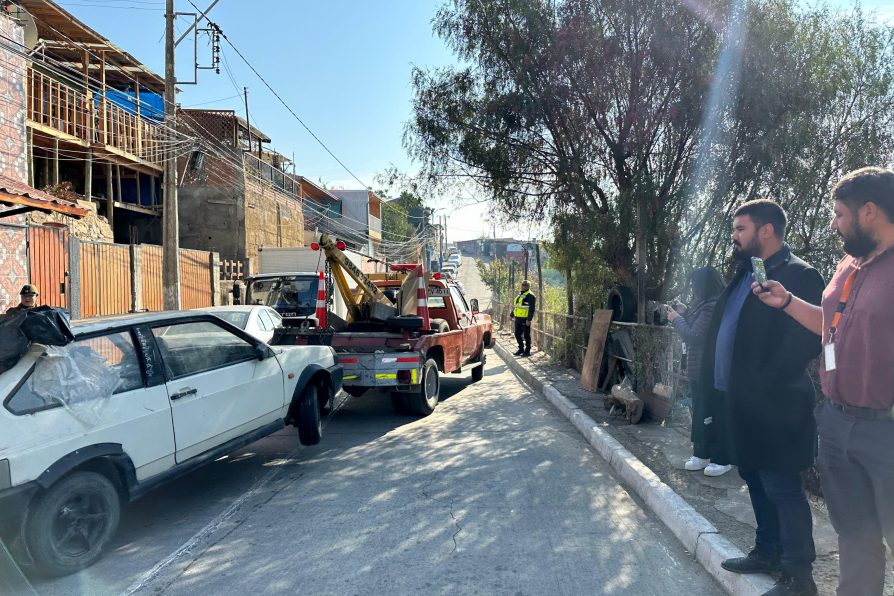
(292, 294)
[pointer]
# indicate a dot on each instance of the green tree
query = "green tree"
(595, 114)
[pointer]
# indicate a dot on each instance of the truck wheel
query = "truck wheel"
(69, 525)
(424, 401)
(310, 424)
(478, 371)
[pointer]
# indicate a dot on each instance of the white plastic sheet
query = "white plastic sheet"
(77, 377)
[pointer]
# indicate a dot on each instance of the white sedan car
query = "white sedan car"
(257, 320)
(132, 402)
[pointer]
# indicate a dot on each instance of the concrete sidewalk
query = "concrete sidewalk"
(712, 517)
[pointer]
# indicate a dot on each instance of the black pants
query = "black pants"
(784, 519)
(523, 335)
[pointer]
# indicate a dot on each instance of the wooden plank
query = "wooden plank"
(589, 376)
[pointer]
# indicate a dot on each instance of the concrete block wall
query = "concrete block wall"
(272, 218)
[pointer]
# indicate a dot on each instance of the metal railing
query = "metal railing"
(263, 171)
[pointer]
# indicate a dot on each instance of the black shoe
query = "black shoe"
(527, 353)
(518, 352)
(755, 562)
(789, 585)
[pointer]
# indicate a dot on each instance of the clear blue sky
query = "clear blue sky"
(342, 65)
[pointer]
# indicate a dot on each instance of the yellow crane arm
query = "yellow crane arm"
(340, 265)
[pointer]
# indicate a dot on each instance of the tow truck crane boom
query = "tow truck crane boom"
(340, 265)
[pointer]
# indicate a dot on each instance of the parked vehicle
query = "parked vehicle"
(404, 329)
(133, 402)
(257, 321)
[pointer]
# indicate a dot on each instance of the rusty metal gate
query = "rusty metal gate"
(48, 263)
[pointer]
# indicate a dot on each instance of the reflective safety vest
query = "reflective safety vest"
(521, 309)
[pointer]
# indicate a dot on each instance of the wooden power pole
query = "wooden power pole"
(170, 215)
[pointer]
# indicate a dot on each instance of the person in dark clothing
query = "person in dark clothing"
(523, 312)
(27, 299)
(692, 324)
(754, 373)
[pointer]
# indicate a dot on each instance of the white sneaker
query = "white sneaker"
(694, 464)
(716, 470)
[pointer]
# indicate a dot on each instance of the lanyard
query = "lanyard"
(842, 303)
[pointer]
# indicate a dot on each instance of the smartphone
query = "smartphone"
(760, 273)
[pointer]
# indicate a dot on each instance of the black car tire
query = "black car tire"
(425, 400)
(68, 526)
(310, 423)
(478, 371)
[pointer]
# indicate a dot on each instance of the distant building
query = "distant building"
(361, 222)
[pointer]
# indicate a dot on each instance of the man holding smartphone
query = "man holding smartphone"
(761, 400)
(856, 423)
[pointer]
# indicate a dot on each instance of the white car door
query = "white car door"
(219, 389)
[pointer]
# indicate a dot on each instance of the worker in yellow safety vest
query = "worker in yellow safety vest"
(523, 312)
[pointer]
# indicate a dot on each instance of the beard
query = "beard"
(744, 253)
(859, 243)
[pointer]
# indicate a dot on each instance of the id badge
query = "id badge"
(829, 352)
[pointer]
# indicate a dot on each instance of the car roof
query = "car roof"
(231, 308)
(102, 323)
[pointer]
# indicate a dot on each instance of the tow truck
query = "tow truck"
(402, 330)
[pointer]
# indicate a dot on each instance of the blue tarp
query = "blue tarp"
(152, 105)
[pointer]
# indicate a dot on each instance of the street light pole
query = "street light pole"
(170, 215)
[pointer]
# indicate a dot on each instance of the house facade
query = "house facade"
(235, 196)
(94, 119)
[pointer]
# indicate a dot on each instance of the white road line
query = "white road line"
(218, 521)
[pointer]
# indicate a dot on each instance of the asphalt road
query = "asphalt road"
(493, 494)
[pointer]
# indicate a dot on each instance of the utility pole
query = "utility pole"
(170, 215)
(247, 121)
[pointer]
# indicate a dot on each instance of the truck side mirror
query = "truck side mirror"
(474, 304)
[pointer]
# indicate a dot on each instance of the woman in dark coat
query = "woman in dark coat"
(692, 324)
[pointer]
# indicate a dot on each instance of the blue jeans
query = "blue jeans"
(784, 519)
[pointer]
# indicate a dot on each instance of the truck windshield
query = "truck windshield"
(292, 295)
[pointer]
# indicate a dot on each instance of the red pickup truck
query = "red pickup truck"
(407, 361)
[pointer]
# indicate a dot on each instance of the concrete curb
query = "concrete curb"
(697, 534)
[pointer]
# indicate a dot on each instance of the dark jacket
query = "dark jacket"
(531, 301)
(765, 420)
(693, 328)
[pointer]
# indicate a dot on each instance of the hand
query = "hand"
(528, 322)
(680, 307)
(772, 293)
(671, 313)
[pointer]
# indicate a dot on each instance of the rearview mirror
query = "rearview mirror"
(474, 304)
(261, 351)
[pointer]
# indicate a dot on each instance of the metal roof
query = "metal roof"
(24, 198)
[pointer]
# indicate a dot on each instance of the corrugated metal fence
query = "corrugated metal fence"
(105, 283)
(93, 279)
